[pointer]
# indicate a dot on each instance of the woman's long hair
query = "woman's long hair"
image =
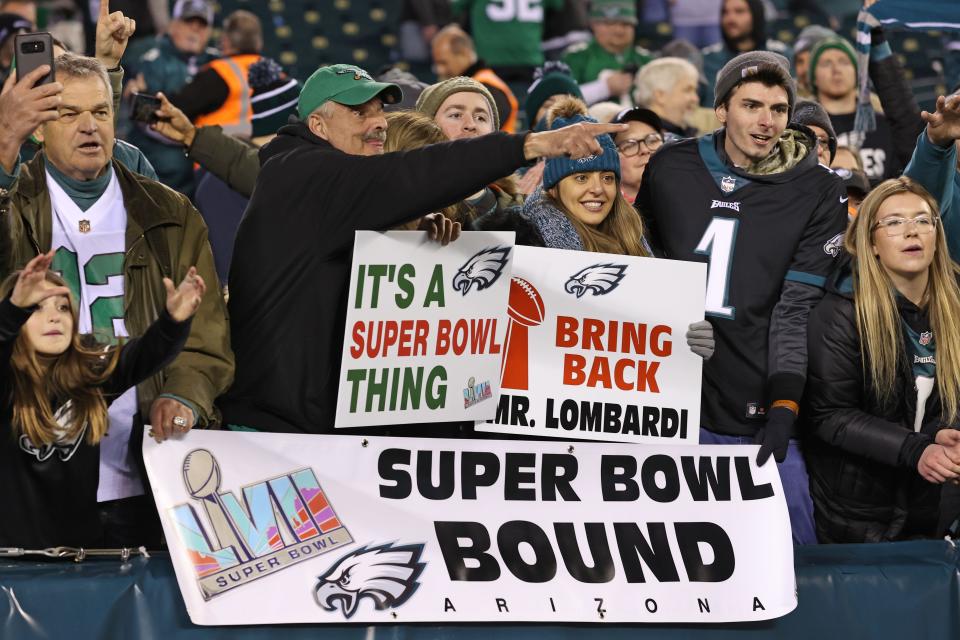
(75, 375)
(408, 130)
(878, 321)
(621, 232)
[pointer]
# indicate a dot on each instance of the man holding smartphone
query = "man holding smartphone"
(114, 233)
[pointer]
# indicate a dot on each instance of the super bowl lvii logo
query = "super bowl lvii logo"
(279, 522)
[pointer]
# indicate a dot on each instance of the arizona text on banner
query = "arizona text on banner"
(268, 528)
(424, 329)
(595, 348)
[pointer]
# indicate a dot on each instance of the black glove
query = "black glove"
(775, 436)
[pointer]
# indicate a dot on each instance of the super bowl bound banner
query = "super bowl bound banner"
(596, 348)
(425, 326)
(267, 528)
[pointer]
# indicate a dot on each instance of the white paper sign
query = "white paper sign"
(595, 348)
(425, 327)
(269, 528)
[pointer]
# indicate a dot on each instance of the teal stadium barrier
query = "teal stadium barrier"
(902, 591)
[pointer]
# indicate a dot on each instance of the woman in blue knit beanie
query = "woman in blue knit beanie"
(580, 206)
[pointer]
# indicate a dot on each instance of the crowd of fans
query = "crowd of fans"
(833, 330)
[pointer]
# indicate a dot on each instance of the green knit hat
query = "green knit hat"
(832, 42)
(433, 96)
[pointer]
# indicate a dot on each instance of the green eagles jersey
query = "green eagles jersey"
(586, 61)
(507, 32)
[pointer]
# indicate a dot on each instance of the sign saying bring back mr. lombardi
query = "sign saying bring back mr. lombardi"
(268, 528)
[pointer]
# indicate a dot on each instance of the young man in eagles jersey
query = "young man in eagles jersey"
(757, 206)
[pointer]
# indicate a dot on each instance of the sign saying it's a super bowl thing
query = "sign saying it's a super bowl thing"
(275, 528)
(596, 348)
(425, 328)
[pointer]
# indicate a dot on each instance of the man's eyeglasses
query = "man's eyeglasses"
(631, 147)
(896, 226)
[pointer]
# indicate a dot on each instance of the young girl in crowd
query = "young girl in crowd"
(56, 386)
(883, 384)
(581, 207)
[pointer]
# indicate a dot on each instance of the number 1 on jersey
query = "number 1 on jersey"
(717, 243)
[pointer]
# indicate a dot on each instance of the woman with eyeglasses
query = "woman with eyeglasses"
(635, 146)
(883, 385)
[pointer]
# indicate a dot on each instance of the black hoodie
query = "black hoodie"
(291, 262)
(759, 33)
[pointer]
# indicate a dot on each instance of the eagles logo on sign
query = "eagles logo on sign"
(387, 575)
(483, 269)
(598, 279)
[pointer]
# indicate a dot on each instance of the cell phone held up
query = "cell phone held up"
(144, 108)
(32, 50)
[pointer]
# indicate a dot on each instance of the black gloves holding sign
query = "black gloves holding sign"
(775, 435)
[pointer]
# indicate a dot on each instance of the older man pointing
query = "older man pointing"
(321, 180)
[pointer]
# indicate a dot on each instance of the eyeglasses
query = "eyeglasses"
(631, 147)
(896, 226)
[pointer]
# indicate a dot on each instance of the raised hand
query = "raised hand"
(183, 301)
(32, 286)
(114, 31)
(173, 124)
(575, 141)
(943, 125)
(23, 108)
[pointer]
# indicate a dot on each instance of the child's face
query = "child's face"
(49, 330)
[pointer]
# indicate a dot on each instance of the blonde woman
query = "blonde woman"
(883, 385)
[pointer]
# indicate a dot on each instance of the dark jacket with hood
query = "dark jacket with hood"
(291, 268)
(774, 229)
(861, 452)
(719, 54)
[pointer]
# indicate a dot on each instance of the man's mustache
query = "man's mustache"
(380, 136)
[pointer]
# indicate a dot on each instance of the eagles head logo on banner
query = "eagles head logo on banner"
(598, 279)
(274, 524)
(387, 575)
(483, 269)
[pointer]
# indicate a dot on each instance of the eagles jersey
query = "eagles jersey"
(756, 233)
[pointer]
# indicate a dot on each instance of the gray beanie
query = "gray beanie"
(434, 96)
(808, 112)
(747, 64)
(810, 36)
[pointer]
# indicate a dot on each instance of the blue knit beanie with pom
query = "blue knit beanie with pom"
(559, 168)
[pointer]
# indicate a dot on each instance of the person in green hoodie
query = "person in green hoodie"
(604, 67)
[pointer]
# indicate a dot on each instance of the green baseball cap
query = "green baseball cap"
(344, 84)
(614, 10)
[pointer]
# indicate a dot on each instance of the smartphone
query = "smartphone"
(144, 108)
(33, 50)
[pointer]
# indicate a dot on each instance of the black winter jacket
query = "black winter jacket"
(291, 260)
(862, 454)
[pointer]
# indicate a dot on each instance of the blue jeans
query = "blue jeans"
(796, 484)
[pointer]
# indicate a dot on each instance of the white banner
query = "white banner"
(268, 528)
(425, 327)
(596, 348)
